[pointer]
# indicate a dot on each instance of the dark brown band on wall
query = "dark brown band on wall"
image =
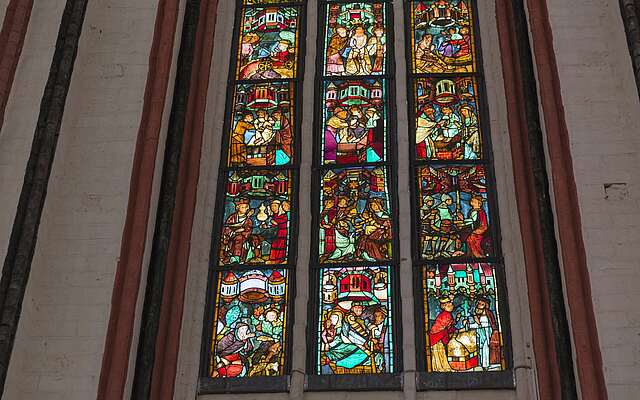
(168, 341)
(14, 30)
(22, 243)
(630, 10)
(551, 335)
(127, 280)
(574, 258)
(157, 273)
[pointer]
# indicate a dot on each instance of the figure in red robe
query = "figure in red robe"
(480, 225)
(237, 229)
(440, 334)
(280, 219)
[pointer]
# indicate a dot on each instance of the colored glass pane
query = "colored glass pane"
(356, 39)
(442, 36)
(461, 314)
(263, 120)
(355, 332)
(257, 218)
(354, 121)
(447, 119)
(250, 323)
(454, 212)
(355, 217)
(268, 47)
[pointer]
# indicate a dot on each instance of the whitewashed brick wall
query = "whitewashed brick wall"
(60, 340)
(602, 112)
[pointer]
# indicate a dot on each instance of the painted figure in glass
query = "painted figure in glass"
(356, 41)
(454, 214)
(268, 43)
(354, 329)
(262, 131)
(461, 313)
(256, 218)
(354, 121)
(355, 222)
(442, 36)
(447, 125)
(250, 324)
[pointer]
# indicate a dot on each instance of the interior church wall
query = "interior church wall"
(23, 106)
(601, 108)
(61, 334)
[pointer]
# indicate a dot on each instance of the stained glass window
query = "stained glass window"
(354, 250)
(456, 245)
(253, 247)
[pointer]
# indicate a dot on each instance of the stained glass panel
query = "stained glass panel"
(356, 39)
(454, 212)
(250, 323)
(355, 217)
(355, 121)
(256, 217)
(259, 2)
(447, 119)
(355, 331)
(461, 313)
(268, 47)
(442, 36)
(263, 120)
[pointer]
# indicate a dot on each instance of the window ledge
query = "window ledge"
(257, 384)
(380, 382)
(465, 381)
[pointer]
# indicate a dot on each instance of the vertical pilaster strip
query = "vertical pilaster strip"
(22, 243)
(168, 340)
(127, 280)
(574, 259)
(554, 368)
(157, 275)
(14, 30)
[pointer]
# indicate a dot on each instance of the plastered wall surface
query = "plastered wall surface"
(60, 338)
(23, 106)
(191, 336)
(601, 106)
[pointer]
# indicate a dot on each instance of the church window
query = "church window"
(456, 245)
(253, 248)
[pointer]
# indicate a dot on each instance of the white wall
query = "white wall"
(61, 335)
(601, 106)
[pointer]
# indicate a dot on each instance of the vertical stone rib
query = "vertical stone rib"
(22, 243)
(115, 360)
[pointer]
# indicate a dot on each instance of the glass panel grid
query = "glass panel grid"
(354, 258)
(253, 239)
(456, 243)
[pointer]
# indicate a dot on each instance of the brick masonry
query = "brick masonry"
(601, 108)
(58, 350)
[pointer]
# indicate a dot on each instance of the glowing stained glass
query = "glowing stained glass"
(461, 314)
(442, 36)
(355, 327)
(259, 2)
(355, 121)
(257, 218)
(263, 121)
(447, 120)
(268, 47)
(453, 212)
(355, 217)
(250, 323)
(356, 39)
